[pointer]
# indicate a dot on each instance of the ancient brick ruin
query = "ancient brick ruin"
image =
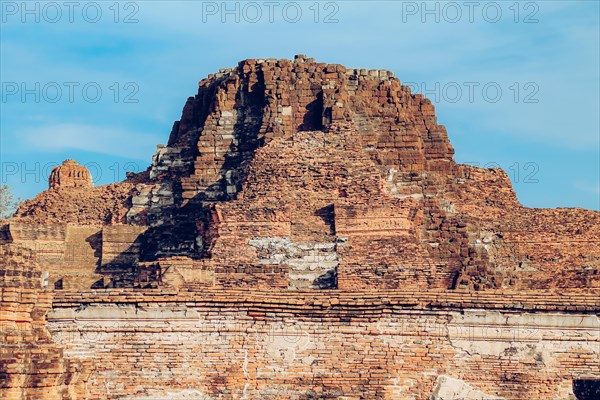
(70, 174)
(305, 234)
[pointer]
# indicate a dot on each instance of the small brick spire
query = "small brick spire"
(70, 174)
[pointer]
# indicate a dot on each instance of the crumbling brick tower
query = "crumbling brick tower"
(70, 175)
(306, 233)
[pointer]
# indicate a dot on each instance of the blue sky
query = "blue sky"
(515, 83)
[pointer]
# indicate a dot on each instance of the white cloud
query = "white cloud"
(98, 139)
(588, 187)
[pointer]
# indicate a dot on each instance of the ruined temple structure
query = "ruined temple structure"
(305, 234)
(70, 174)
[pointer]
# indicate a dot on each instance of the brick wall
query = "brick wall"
(31, 364)
(338, 345)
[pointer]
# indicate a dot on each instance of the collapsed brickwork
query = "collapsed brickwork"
(294, 176)
(324, 156)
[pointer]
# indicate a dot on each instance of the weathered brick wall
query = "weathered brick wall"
(68, 254)
(338, 345)
(121, 249)
(31, 365)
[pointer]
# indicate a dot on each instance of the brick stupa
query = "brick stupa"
(70, 175)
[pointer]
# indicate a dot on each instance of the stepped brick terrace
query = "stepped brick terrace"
(305, 233)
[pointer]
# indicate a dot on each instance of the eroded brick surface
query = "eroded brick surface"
(70, 174)
(32, 366)
(339, 345)
(420, 277)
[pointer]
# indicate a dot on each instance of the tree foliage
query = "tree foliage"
(8, 203)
